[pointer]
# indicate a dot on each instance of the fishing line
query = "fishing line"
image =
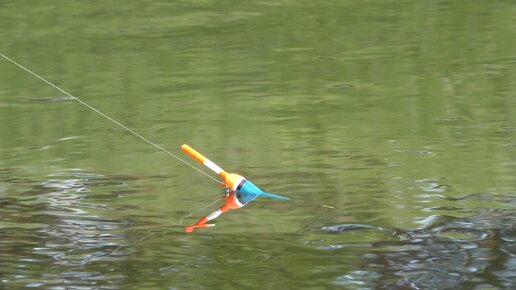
(107, 117)
(196, 211)
(160, 230)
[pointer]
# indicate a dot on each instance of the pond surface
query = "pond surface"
(391, 125)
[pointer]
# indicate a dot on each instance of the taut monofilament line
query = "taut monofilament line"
(107, 117)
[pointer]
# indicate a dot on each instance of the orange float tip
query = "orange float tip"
(203, 160)
(193, 153)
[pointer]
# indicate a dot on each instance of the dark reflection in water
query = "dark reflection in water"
(475, 252)
(56, 232)
(51, 235)
(87, 230)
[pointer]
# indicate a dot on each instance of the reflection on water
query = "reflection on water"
(446, 252)
(59, 232)
(51, 234)
(452, 252)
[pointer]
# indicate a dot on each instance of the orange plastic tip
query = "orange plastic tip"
(190, 229)
(192, 152)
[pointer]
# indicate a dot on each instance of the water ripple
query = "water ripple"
(50, 223)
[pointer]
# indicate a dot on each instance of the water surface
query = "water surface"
(390, 125)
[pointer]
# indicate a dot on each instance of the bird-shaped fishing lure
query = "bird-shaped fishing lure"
(240, 190)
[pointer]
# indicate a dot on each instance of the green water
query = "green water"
(391, 125)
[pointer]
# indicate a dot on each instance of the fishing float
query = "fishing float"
(240, 190)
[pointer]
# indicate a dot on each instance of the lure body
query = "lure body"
(241, 190)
